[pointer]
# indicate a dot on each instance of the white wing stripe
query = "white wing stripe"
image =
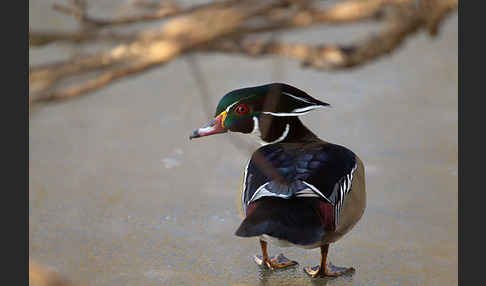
(243, 191)
(312, 191)
(315, 190)
(344, 188)
(256, 192)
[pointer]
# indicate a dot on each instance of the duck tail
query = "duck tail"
(295, 220)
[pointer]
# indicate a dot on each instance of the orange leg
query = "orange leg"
(325, 269)
(272, 262)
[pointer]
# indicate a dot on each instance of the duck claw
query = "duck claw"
(275, 262)
(330, 271)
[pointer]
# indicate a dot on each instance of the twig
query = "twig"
(104, 79)
(39, 38)
(99, 23)
(162, 13)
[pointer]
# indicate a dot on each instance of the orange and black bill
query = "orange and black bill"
(215, 126)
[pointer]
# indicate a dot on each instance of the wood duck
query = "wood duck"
(297, 190)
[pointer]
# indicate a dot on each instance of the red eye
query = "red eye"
(241, 109)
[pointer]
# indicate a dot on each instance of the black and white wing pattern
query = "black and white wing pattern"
(323, 171)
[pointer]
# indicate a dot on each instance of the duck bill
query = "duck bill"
(214, 126)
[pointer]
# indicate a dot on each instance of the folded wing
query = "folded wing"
(323, 171)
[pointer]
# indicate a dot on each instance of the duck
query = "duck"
(297, 190)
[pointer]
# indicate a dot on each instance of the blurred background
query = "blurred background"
(118, 195)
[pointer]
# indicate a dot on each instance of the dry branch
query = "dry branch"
(330, 56)
(150, 49)
(99, 23)
(227, 27)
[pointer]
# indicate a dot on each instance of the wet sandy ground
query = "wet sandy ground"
(120, 196)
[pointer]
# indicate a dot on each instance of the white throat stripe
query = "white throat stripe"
(283, 136)
(256, 131)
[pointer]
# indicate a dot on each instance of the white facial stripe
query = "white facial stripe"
(282, 114)
(285, 114)
(296, 112)
(229, 106)
(308, 108)
(297, 98)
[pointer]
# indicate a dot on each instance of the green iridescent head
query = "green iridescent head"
(238, 109)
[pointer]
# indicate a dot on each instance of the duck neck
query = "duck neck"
(278, 129)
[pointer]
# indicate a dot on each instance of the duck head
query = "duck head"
(269, 111)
